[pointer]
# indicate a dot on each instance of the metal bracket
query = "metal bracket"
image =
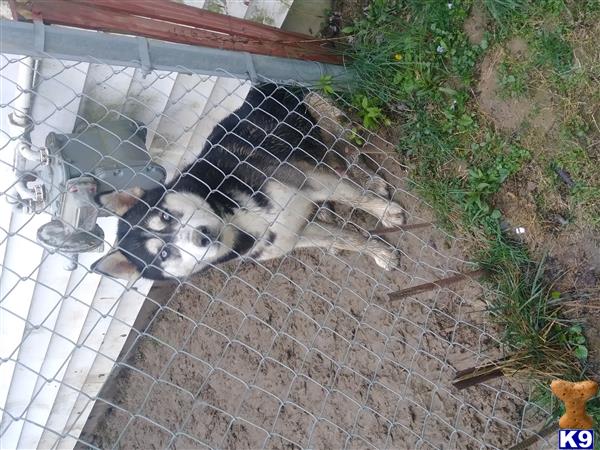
(144, 56)
(39, 35)
(250, 66)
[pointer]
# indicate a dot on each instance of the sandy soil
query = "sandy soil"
(309, 351)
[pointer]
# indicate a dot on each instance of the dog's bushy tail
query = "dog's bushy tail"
(281, 113)
(273, 118)
(288, 96)
(278, 101)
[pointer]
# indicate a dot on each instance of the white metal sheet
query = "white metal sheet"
(105, 90)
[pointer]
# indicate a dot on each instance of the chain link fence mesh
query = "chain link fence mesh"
(303, 351)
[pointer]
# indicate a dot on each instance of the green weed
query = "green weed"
(325, 85)
(371, 114)
(513, 78)
(503, 10)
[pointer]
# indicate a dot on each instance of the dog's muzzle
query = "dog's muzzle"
(202, 236)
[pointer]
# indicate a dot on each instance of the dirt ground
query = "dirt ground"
(571, 248)
(310, 351)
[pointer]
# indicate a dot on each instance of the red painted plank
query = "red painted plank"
(82, 15)
(188, 15)
(13, 9)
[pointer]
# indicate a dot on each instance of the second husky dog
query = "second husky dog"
(251, 193)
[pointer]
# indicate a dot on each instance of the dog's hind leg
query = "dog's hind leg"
(327, 236)
(325, 186)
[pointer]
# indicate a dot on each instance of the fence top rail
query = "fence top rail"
(39, 40)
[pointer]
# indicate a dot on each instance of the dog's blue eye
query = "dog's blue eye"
(167, 218)
(164, 254)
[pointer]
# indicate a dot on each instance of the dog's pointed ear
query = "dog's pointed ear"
(116, 265)
(120, 202)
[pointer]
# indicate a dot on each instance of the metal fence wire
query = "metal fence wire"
(307, 350)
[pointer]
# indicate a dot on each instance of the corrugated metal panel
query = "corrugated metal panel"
(55, 109)
(17, 285)
(147, 98)
(105, 88)
(43, 313)
(128, 304)
(23, 254)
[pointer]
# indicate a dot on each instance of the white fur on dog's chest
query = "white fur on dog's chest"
(276, 228)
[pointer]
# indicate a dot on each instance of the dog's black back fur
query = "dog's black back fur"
(271, 131)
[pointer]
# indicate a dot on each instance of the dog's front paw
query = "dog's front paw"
(386, 258)
(394, 216)
(378, 185)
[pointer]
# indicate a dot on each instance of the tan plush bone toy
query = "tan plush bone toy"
(574, 396)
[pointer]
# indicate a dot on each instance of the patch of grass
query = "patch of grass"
(415, 54)
(551, 49)
(513, 78)
(503, 10)
(399, 55)
(526, 308)
(570, 149)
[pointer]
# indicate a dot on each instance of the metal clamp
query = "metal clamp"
(144, 50)
(250, 67)
(39, 35)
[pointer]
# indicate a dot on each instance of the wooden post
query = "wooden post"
(169, 21)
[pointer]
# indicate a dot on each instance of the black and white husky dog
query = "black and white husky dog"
(251, 193)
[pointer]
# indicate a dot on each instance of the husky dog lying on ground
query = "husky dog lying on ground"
(251, 193)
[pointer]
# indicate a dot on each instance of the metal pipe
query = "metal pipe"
(26, 152)
(24, 192)
(22, 104)
(119, 50)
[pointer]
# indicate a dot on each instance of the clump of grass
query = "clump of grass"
(513, 78)
(400, 55)
(503, 10)
(528, 309)
(553, 50)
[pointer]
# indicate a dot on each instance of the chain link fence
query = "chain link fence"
(308, 350)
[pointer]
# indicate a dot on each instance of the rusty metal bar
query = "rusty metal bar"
(435, 284)
(474, 375)
(546, 431)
